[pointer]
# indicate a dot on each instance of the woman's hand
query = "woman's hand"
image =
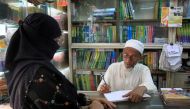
(96, 105)
(102, 102)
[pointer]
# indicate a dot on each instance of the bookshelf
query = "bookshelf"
(89, 35)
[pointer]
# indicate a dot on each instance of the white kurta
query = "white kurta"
(120, 78)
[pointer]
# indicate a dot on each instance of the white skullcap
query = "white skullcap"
(139, 46)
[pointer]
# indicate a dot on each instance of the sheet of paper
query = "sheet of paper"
(116, 96)
(173, 50)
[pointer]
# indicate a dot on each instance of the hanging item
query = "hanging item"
(171, 57)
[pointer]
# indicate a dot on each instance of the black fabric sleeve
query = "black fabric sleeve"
(47, 91)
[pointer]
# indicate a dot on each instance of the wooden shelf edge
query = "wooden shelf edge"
(112, 45)
(186, 45)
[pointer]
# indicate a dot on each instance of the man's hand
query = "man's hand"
(136, 94)
(101, 103)
(104, 88)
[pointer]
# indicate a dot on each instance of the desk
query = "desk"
(154, 102)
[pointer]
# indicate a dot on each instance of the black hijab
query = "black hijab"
(31, 47)
(33, 40)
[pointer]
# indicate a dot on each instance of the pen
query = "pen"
(102, 76)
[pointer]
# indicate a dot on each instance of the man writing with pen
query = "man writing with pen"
(129, 74)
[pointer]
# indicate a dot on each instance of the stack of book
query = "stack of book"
(3, 90)
(96, 59)
(104, 14)
(87, 80)
(175, 96)
(183, 33)
(126, 9)
(97, 33)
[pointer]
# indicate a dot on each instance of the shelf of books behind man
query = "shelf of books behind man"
(90, 64)
(107, 33)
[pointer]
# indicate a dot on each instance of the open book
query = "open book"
(116, 96)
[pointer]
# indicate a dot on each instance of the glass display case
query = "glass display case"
(11, 11)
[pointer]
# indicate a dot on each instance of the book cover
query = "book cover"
(164, 16)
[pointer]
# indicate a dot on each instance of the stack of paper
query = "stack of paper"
(117, 96)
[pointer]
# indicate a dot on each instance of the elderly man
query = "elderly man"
(129, 74)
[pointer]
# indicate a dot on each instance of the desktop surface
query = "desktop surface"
(154, 102)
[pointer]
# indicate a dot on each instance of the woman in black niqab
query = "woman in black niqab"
(28, 59)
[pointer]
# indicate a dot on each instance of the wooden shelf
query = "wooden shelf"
(186, 18)
(141, 20)
(112, 45)
(90, 70)
(94, 21)
(186, 45)
(127, 20)
(97, 71)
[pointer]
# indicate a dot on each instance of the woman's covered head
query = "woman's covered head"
(34, 39)
(44, 25)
